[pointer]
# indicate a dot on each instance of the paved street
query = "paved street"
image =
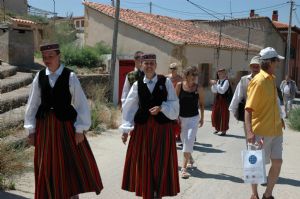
(217, 176)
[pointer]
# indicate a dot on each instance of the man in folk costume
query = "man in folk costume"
(151, 166)
(56, 117)
(220, 113)
(133, 76)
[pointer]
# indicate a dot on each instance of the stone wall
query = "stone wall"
(17, 46)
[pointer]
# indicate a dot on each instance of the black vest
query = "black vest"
(148, 100)
(57, 98)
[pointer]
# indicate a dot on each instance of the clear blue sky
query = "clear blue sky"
(183, 9)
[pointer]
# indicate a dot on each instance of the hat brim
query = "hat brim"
(280, 57)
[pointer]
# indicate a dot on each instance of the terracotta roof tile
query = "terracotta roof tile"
(176, 31)
(280, 24)
(22, 21)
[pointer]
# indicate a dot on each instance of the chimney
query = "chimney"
(275, 15)
(252, 13)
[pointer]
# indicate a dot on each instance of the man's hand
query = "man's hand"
(79, 137)
(155, 110)
(124, 138)
(201, 122)
(31, 139)
(282, 124)
(250, 137)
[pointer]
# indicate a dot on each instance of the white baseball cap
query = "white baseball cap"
(255, 60)
(268, 53)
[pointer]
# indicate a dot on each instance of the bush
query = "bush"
(90, 57)
(12, 162)
(103, 114)
(294, 118)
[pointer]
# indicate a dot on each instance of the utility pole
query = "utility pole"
(114, 49)
(4, 11)
(150, 7)
(54, 16)
(113, 3)
(288, 49)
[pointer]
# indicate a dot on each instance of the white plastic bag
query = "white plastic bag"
(254, 167)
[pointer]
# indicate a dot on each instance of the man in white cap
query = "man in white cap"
(238, 101)
(174, 76)
(262, 117)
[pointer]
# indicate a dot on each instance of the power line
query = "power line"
(228, 21)
(297, 17)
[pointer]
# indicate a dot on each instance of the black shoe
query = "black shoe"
(216, 132)
(223, 134)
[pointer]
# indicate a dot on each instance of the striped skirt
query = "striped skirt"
(62, 168)
(151, 165)
(220, 114)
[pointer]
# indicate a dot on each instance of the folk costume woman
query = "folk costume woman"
(56, 116)
(220, 113)
(151, 167)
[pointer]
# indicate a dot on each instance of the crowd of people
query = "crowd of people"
(152, 106)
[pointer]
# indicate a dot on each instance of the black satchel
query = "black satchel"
(241, 111)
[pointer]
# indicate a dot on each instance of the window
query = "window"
(77, 24)
(82, 23)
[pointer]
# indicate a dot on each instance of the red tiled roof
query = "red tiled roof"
(176, 31)
(280, 25)
(22, 21)
(284, 26)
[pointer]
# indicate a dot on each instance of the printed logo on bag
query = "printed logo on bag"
(252, 159)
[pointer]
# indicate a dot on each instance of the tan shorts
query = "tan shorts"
(272, 146)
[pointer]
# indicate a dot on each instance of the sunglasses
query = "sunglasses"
(173, 68)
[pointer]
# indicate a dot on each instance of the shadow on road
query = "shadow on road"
(5, 195)
(195, 172)
(234, 136)
(287, 181)
(207, 148)
(202, 144)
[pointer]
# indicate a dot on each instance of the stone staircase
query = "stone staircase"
(14, 92)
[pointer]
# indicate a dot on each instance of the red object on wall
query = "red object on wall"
(125, 66)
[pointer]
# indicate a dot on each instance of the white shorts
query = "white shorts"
(189, 128)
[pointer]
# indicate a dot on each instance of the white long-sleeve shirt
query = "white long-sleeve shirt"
(169, 108)
(79, 101)
(241, 93)
(219, 88)
(126, 89)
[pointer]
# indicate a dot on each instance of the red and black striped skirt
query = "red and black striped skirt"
(220, 114)
(62, 168)
(151, 165)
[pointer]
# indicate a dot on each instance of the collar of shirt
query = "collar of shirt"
(153, 80)
(266, 75)
(249, 77)
(57, 72)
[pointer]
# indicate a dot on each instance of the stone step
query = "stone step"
(14, 82)
(14, 99)
(12, 119)
(7, 70)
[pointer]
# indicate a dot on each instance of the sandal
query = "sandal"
(270, 197)
(184, 174)
(254, 196)
(191, 163)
